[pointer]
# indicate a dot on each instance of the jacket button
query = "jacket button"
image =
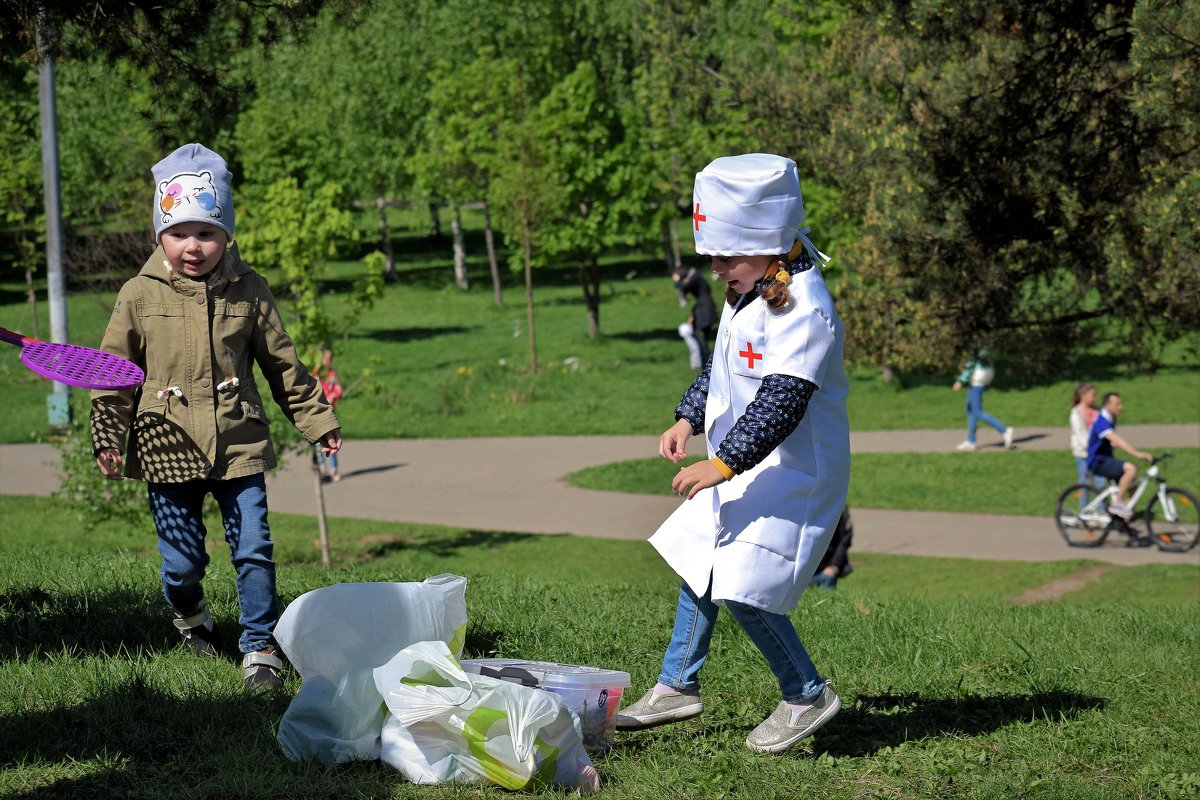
(205, 383)
(200, 299)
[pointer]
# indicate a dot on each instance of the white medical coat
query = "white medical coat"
(757, 539)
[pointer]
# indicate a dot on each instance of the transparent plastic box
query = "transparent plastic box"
(594, 694)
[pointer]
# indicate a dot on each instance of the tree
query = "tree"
(324, 112)
(20, 173)
(468, 104)
(992, 150)
(295, 230)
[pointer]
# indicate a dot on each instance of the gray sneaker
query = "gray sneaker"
(779, 731)
(651, 711)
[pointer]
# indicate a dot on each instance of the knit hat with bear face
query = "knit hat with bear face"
(192, 184)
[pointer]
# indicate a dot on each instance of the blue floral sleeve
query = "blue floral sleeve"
(691, 407)
(776, 410)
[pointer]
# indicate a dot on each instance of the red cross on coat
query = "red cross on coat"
(697, 217)
(750, 355)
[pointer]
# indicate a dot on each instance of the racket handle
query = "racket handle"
(14, 338)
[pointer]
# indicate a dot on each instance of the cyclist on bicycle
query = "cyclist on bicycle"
(1101, 438)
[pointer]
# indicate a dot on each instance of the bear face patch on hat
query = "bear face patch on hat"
(748, 205)
(192, 184)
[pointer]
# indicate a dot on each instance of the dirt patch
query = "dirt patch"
(1060, 586)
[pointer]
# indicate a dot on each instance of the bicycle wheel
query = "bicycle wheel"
(1081, 521)
(1175, 525)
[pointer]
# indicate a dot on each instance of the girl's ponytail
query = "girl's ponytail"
(775, 293)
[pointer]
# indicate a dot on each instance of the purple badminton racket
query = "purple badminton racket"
(76, 365)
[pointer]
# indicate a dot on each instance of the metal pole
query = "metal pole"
(58, 403)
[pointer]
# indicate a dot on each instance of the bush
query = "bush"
(88, 494)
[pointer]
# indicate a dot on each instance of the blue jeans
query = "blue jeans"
(773, 635)
(178, 515)
(976, 414)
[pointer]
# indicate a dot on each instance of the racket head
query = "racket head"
(81, 366)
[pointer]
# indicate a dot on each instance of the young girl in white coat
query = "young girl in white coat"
(772, 405)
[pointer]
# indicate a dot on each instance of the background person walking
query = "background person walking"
(1083, 414)
(977, 375)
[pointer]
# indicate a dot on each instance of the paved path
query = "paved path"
(517, 484)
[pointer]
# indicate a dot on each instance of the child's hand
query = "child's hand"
(109, 462)
(701, 475)
(673, 441)
(331, 442)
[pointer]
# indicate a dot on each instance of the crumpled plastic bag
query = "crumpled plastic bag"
(335, 636)
(447, 725)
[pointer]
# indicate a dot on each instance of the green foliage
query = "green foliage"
(20, 163)
(992, 151)
(88, 495)
(295, 230)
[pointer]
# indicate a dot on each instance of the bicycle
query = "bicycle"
(1172, 517)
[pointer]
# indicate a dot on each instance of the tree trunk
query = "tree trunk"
(527, 238)
(671, 246)
(32, 295)
(668, 254)
(887, 373)
(389, 268)
(435, 220)
(491, 251)
(589, 280)
(460, 248)
(322, 524)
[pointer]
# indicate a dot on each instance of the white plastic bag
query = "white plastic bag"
(448, 725)
(335, 636)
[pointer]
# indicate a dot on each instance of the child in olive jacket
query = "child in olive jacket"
(196, 319)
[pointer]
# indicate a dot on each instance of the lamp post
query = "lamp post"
(58, 402)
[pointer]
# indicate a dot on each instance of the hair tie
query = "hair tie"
(783, 276)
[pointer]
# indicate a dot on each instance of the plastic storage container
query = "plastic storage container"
(592, 693)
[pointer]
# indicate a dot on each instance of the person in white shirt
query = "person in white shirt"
(772, 406)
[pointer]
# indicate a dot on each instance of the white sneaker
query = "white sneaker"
(965, 446)
(1120, 510)
(1008, 438)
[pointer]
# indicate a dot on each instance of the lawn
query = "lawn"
(950, 690)
(430, 360)
(1021, 482)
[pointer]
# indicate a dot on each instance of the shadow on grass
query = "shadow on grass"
(137, 719)
(136, 740)
(876, 722)
(34, 621)
(412, 334)
(449, 546)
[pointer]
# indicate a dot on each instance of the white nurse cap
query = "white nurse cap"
(748, 205)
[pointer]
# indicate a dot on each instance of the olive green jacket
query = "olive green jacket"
(199, 413)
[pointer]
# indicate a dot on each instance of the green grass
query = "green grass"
(950, 690)
(1022, 482)
(440, 362)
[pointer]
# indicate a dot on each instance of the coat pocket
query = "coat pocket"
(254, 412)
(746, 351)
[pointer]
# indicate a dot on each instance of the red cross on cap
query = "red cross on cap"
(697, 217)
